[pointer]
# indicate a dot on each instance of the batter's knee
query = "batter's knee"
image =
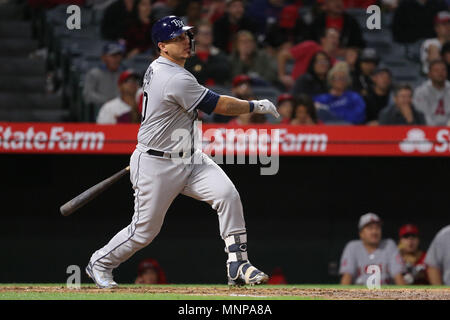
(229, 194)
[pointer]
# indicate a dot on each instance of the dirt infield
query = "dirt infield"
(322, 293)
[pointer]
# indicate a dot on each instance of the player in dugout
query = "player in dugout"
(371, 250)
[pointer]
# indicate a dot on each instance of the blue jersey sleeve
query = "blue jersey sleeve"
(209, 102)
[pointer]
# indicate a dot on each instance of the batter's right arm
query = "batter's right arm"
(231, 106)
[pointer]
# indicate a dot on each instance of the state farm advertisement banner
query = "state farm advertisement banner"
(80, 138)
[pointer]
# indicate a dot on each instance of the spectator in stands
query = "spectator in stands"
(432, 98)
(265, 13)
(351, 58)
(138, 33)
(209, 65)
(229, 24)
(162, 8)
(342, 103)
(123, 109)
(248, 118)
(371, 249)
(431, 48)
(365, 66)
(379, 96)
(248, 59)
(412, 256)
(314, 81)
(100, 84)
(413, 20)
(241, 88)
(445, 55)
(277, 277)
(150, 272)
(302, 54)
(362, 4)
(115, 19)
(193, 13)
(305, 111)
(335, 17)
(438, 258)
(402, 111)
(213, 10)
(285, 107)
(289, 29)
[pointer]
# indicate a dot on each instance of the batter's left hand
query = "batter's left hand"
(265, 106)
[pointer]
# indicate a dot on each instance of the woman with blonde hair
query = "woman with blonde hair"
(342, 104)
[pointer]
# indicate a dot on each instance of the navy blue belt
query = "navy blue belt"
(181, 154)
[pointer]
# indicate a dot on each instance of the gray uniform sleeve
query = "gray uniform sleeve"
(184, 90)
(395, 262)
(348, 260)
(434, 257)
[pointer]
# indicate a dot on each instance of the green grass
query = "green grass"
(122, 294)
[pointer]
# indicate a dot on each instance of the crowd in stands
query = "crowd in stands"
(314, 52)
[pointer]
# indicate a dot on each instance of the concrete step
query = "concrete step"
(15, 29)
(13, 101)
(10, 11)
(22, 66)
(17, 47)
(18, 83)
(35, 115)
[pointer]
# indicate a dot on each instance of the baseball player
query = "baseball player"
(438, 258)
(358, 255)
(172, 97)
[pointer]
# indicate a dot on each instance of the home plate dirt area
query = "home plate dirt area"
(263, 292)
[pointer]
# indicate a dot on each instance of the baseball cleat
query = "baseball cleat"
(102, 279)
(242, 273)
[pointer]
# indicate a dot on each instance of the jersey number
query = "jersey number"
(145, 106)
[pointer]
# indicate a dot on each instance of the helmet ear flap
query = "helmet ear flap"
(190, 34)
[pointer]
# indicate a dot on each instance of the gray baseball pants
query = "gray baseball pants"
(156, 182)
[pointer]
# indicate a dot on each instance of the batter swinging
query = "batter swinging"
(172, 96)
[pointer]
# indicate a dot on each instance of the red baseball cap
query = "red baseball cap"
(239, 79)
(408, 229)
(283, 97)
(127, 74)
(442, 17)
(288, 16)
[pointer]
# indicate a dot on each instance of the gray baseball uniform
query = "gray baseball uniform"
(171, 97)
(438, 254)
(355, 260)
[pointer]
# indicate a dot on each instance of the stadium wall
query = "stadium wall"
(299, 219)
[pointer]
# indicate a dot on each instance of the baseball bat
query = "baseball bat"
(79, 201)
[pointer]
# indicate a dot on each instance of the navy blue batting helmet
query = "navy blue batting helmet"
(168, 28)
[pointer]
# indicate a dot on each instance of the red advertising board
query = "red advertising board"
(81, 138)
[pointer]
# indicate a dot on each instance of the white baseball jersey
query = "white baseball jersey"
(171, 95)
(112, 110)
(355, 260)
(434, 103)
(438, 255)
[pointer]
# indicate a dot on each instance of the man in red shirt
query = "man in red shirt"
(302, 54)
(413, 257)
